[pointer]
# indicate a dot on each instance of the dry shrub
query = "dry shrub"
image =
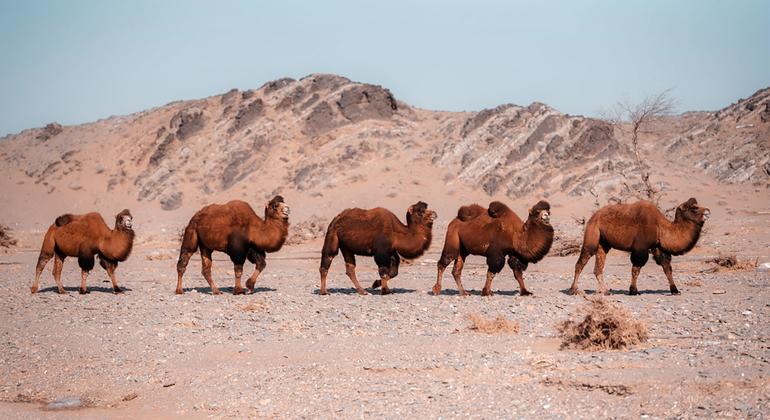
(693, 283)
(158, 256)
(254, 306)
(730, 263)
(6, 240)
(564, 247)
(307, 230)
(605, 326)
(498, 325)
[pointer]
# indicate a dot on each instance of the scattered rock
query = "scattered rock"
(50, 130)
(171, 200)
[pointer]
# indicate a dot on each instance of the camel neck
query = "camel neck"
(534, 241)
(412, 240)
(679, 236)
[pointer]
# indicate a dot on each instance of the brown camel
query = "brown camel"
(495, 233)
(84, 236)
(235, 229)
(379, 233)
(640, 229)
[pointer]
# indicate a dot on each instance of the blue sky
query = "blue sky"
(78, 61)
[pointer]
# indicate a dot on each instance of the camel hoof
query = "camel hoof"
(83, 291)
(633, 291)
(33, 289)
(238, 291)
(216, 292)
(179, 291)
(525, 292)
(436, 290)
(117, 290)
(61, 291)
(323, 292)
(376, 284)
(486, 292)
(362, 292)
(573, 292)
(675, 291)
(463, 293)
(386, 291)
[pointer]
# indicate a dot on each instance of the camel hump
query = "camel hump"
(473, 211)
(497, 209)
(63, 220)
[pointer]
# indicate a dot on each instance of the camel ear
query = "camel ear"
(692, 202)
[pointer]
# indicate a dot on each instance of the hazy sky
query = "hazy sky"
(77, 61)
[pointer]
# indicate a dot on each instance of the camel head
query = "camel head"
(689, 210)
(419, 213)
(541, 213)
(276, 209)
(124, 220)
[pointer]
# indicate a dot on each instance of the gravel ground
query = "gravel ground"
(285, 351)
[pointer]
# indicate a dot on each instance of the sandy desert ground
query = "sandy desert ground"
(286, 351)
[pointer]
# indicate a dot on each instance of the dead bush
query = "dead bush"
(730, 263)
(605, 326)
(6, 240)
(499, 325)
(564, 247)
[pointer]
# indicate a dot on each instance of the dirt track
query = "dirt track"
(286, 351)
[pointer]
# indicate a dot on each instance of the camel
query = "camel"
(376, 232)
(495, 233)
(85, 236)
(235, 229)
(640, 228)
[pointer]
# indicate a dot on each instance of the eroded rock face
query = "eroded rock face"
(50, 130)
(187, 122)
(320, 120)
(365, 102)
(247, 114)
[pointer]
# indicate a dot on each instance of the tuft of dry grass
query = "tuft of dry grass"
(158, 256)
(730, 263)
(253, 306)
(605, 326)
(499, 325)
(6, 240)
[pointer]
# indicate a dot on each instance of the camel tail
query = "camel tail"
(190, 238)
(331, 241)
(47, 249)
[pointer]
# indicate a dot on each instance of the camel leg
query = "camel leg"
(664, 260)
(238, 289)
(518, 273)
(392, 269)
(385, 289)
(206, 270)
(638, 260)
(258, 258)
(487, 290)
(41, 262)
(86, 264)
(585, 255)
(601, 255)
(495, 263)
(83, 288)
(350, 270)
(181, 266)
(457, 273)
(58, 264)
(110, 267)
(326, 262)
(443, 262)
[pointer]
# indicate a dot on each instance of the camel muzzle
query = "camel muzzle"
(285, 211)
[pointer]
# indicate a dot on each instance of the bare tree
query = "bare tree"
(636, 116)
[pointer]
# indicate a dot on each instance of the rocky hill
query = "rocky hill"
(324, 136)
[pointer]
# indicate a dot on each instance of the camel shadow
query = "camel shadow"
(228, 289)
(613, 292)
(472, 292)
(76, 289)
(352, 291)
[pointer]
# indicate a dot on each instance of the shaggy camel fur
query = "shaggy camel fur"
(379, 233)
(496, 233)
(640, 229)
(84, 236)
(235, 229)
